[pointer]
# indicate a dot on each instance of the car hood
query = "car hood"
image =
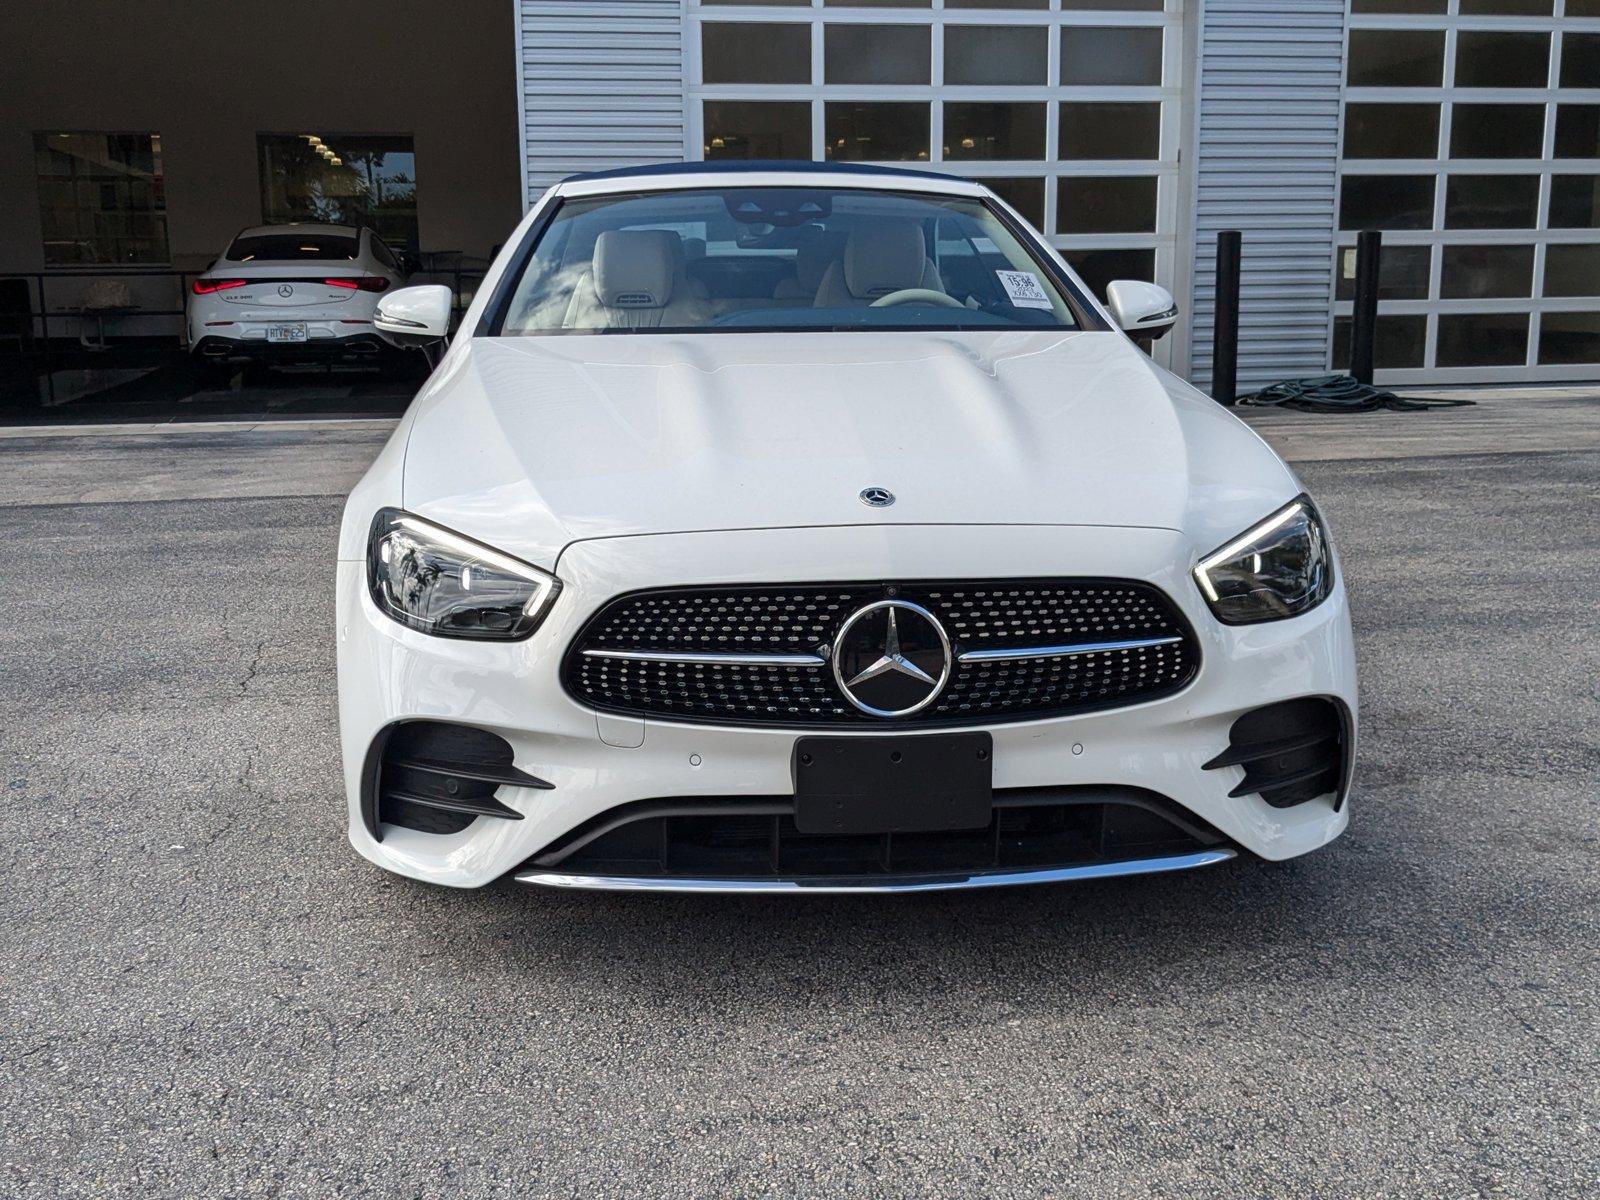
(533, 443)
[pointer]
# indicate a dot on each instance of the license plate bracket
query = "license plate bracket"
(288, 331)
(918, 783)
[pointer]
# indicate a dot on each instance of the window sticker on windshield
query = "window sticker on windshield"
(1024, 289)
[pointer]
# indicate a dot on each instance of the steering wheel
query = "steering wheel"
(917, 296)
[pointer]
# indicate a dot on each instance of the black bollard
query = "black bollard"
(1364, 313)
(1225, 332)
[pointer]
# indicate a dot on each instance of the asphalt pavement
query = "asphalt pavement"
(204, 992)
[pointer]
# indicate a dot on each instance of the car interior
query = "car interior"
(708, 261)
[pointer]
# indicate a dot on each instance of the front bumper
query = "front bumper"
(598, 762)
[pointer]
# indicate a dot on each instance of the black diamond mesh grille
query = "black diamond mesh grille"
(800, 620)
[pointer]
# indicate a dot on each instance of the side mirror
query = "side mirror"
(1141, 309)
(414, 316)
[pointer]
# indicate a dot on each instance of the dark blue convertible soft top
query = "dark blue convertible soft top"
(787, 165)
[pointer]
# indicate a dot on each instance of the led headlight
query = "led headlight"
(1279, 568)
(437, 581)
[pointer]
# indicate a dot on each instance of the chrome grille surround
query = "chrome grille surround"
(758, 654)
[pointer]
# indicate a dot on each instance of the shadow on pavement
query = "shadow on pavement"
(1102, 943)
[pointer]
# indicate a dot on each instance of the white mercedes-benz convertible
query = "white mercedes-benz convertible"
(807, 528)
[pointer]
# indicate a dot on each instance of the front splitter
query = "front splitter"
(792, 887)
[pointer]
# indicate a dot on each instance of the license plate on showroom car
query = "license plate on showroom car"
(294, 331)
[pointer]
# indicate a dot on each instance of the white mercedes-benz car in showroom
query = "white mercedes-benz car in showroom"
(806, 528)
(290, 293)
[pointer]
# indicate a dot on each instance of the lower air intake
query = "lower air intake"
(1291, 752)
(435, 777)
(754, 838)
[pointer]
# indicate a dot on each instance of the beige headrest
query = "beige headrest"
(633, 268)
(884, 256)
(814, 258)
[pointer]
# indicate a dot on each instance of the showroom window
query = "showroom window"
(101, 198)
(1472, 139)
(1069, 109)
(343, 179)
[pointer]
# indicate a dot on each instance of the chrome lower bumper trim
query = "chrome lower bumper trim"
(992, 879)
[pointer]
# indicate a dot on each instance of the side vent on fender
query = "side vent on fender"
(1291, 752)
(439, 778)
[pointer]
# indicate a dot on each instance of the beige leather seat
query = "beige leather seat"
(637, 280)
(811, 263)
(880, 257)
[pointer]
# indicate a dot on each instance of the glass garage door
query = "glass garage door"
(1070, 109)
(1472, 139)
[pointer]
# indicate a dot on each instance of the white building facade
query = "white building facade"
(1131, 131)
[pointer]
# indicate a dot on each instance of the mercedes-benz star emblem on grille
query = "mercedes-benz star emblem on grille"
(285, 290)
(891, 658)
(877, 497)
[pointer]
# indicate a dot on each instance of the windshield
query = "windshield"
(780, 259)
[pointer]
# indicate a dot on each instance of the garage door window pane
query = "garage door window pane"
(1507, 8)
(1497, 131)
(1398, 342)
(1106, 205)
(877, 132)
(1391, 131)
(1024, 195)
(1397, 6)
(1580, 59)
(976, 131)
(1578, 131)
(757, 129)
(878, 3)
(1033, 4)
(877, 53)
(995, 54)
(1572, 271)
(1113, 5)
(1502, 59)
(1100, 267)
(1484, 272)
(1583, 8)
(1403, 272)
(1575, 202)
(1386, 202)
(1110, 57)
(1110, 130)
(767, 53)
(1491, 201)
(1395, 58)
(1482, 340)
(1569, 338)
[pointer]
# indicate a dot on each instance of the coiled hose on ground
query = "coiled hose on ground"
(1339, 394)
